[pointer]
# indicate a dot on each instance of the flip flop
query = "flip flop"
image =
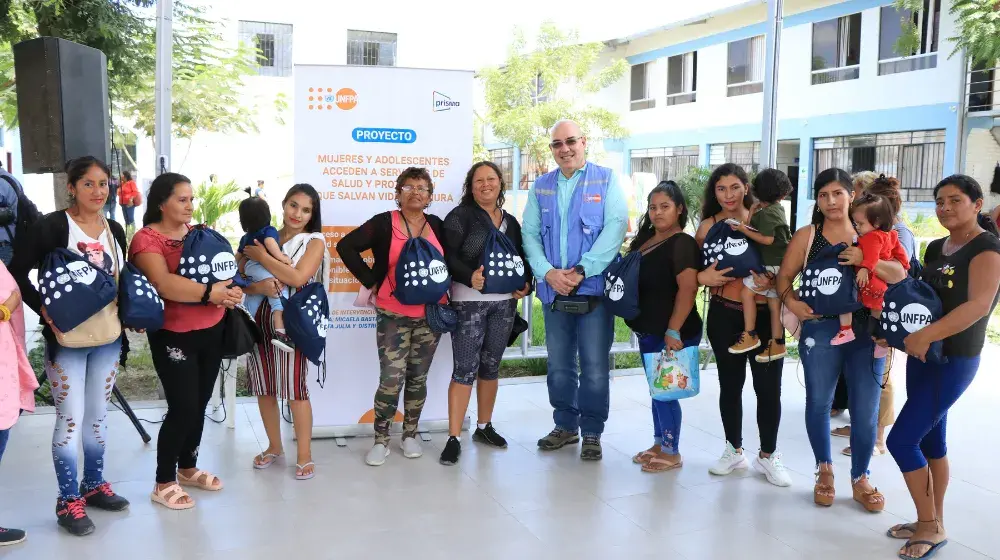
(642, 456)
(305, 476)
(193, 481)
(657, 464)
(266, 460)
(893, 532)
(935, 547)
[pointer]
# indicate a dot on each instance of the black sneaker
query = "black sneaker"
(283, 342)
(489, 436)
(11, 536)
(72, 516)
(451, 452)
(591, 449)
(103, 497)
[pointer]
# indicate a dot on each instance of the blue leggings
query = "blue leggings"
(931, 389)
(666, 414)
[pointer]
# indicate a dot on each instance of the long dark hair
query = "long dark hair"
(825, 177)
(645, 231)
(467, 197)
(78, 167)
(161, 189)
(711, 206)
(971, 188)
(315, 224)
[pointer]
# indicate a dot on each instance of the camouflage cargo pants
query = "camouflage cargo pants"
(406, 348)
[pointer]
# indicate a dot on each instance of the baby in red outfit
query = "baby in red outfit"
(873, 219)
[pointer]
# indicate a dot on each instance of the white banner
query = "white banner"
(356, 129)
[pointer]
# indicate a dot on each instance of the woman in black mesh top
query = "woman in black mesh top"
(485, 319)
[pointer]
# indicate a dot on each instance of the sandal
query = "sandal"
(934, 548)
(823, 493)
(893, 532)
(872, 500)
(300, 473)
(660, 463)
(194, 482)
(265, 460)
(171, 496)
(844, 432)
(641, 457)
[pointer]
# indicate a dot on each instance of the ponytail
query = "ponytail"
(987, 223)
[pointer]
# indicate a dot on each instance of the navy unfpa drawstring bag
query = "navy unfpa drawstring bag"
(828, 287)
(72, 289)
(307, 318)
(621, 285)
(503, 267)
(909, 306)
(207, 256)
(421, 275)
(730, 248)
(139, 305)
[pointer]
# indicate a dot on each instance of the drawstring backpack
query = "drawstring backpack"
(503, 267)
(621, 283)
(139, 305)
(827, 286)
(73, 290)
(307, 313)
(207, 256)
(730, 248)
(421, 274)
(909, 306)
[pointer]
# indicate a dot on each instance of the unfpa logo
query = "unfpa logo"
(324, 99)
(442, 102)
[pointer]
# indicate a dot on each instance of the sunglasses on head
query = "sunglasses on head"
(557, 144)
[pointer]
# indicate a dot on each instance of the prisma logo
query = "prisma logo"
(442, 102)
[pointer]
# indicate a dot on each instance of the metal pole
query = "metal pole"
(962, 111)
(164, 78)
(769, 133)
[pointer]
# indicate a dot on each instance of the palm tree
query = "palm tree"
(215, 201)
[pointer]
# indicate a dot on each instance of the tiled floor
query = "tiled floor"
(515, 503)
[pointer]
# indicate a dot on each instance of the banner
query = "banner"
(356, 129)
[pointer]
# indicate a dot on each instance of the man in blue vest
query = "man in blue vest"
(573, 226)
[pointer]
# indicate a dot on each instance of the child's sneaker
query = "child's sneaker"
(774, 351)
(283, 342)
(843, 337)
(746, 343)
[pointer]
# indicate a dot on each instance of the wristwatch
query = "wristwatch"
(579, 270)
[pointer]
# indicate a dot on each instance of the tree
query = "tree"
(692, 184)
(978, 29)
(536, 88)
(215, 201)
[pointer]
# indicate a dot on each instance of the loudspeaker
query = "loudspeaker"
(62, 103)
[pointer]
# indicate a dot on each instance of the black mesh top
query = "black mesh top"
(465, 231)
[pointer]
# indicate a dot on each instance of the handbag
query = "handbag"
(673, 375)
(100, 327)
(421, 274)
(441, 318)
(520, 326)
(239, 333)
(788, 319)
(139, 305)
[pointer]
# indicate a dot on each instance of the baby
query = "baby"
(873, 219)
(255, 219)
(769, 229)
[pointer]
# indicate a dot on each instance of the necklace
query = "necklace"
(950, 246)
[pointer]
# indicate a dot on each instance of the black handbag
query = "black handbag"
(520, 326)
(239, 333)
(441, 318)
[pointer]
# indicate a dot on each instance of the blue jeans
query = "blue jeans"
(129, 213)
(580, 398)
(931, 389)
(4, 435)
(666, 414)
(823, 364)
(82, 379)
(109, 209)
(256, 272)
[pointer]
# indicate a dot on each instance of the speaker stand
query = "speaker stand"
(131, 415)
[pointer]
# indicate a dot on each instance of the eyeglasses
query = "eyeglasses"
(422, 189)
(558, 144)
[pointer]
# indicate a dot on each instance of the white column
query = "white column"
(164, 79)
(769, 134)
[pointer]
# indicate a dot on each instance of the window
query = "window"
(744, 154)
(273, 44)
(682, 74)
(538, 95)
(371, 48)
(915, 158)
(836, 54)
(746, 66)
(504, 158)
(665, 163)
(927, 22)
(640, 88)
(531, 169)
(982, 84)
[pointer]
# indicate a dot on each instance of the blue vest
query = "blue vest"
(586, 220)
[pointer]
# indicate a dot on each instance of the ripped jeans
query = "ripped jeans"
(82, 379)
(666, 414)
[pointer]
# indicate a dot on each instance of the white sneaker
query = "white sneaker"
(376, 457)
(411, 448)
(773, 469)
(730, 461)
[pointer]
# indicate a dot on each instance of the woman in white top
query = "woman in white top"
(485, 319)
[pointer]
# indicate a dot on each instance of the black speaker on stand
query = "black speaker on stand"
(63, 113)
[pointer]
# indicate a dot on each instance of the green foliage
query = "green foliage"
(925, 225)
(908, 42)
(36, 357)
(977, 29)
(213, 201)
(536, 88)
(693, 185)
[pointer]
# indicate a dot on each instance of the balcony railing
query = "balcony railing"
(983, 92)
(830, 75)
